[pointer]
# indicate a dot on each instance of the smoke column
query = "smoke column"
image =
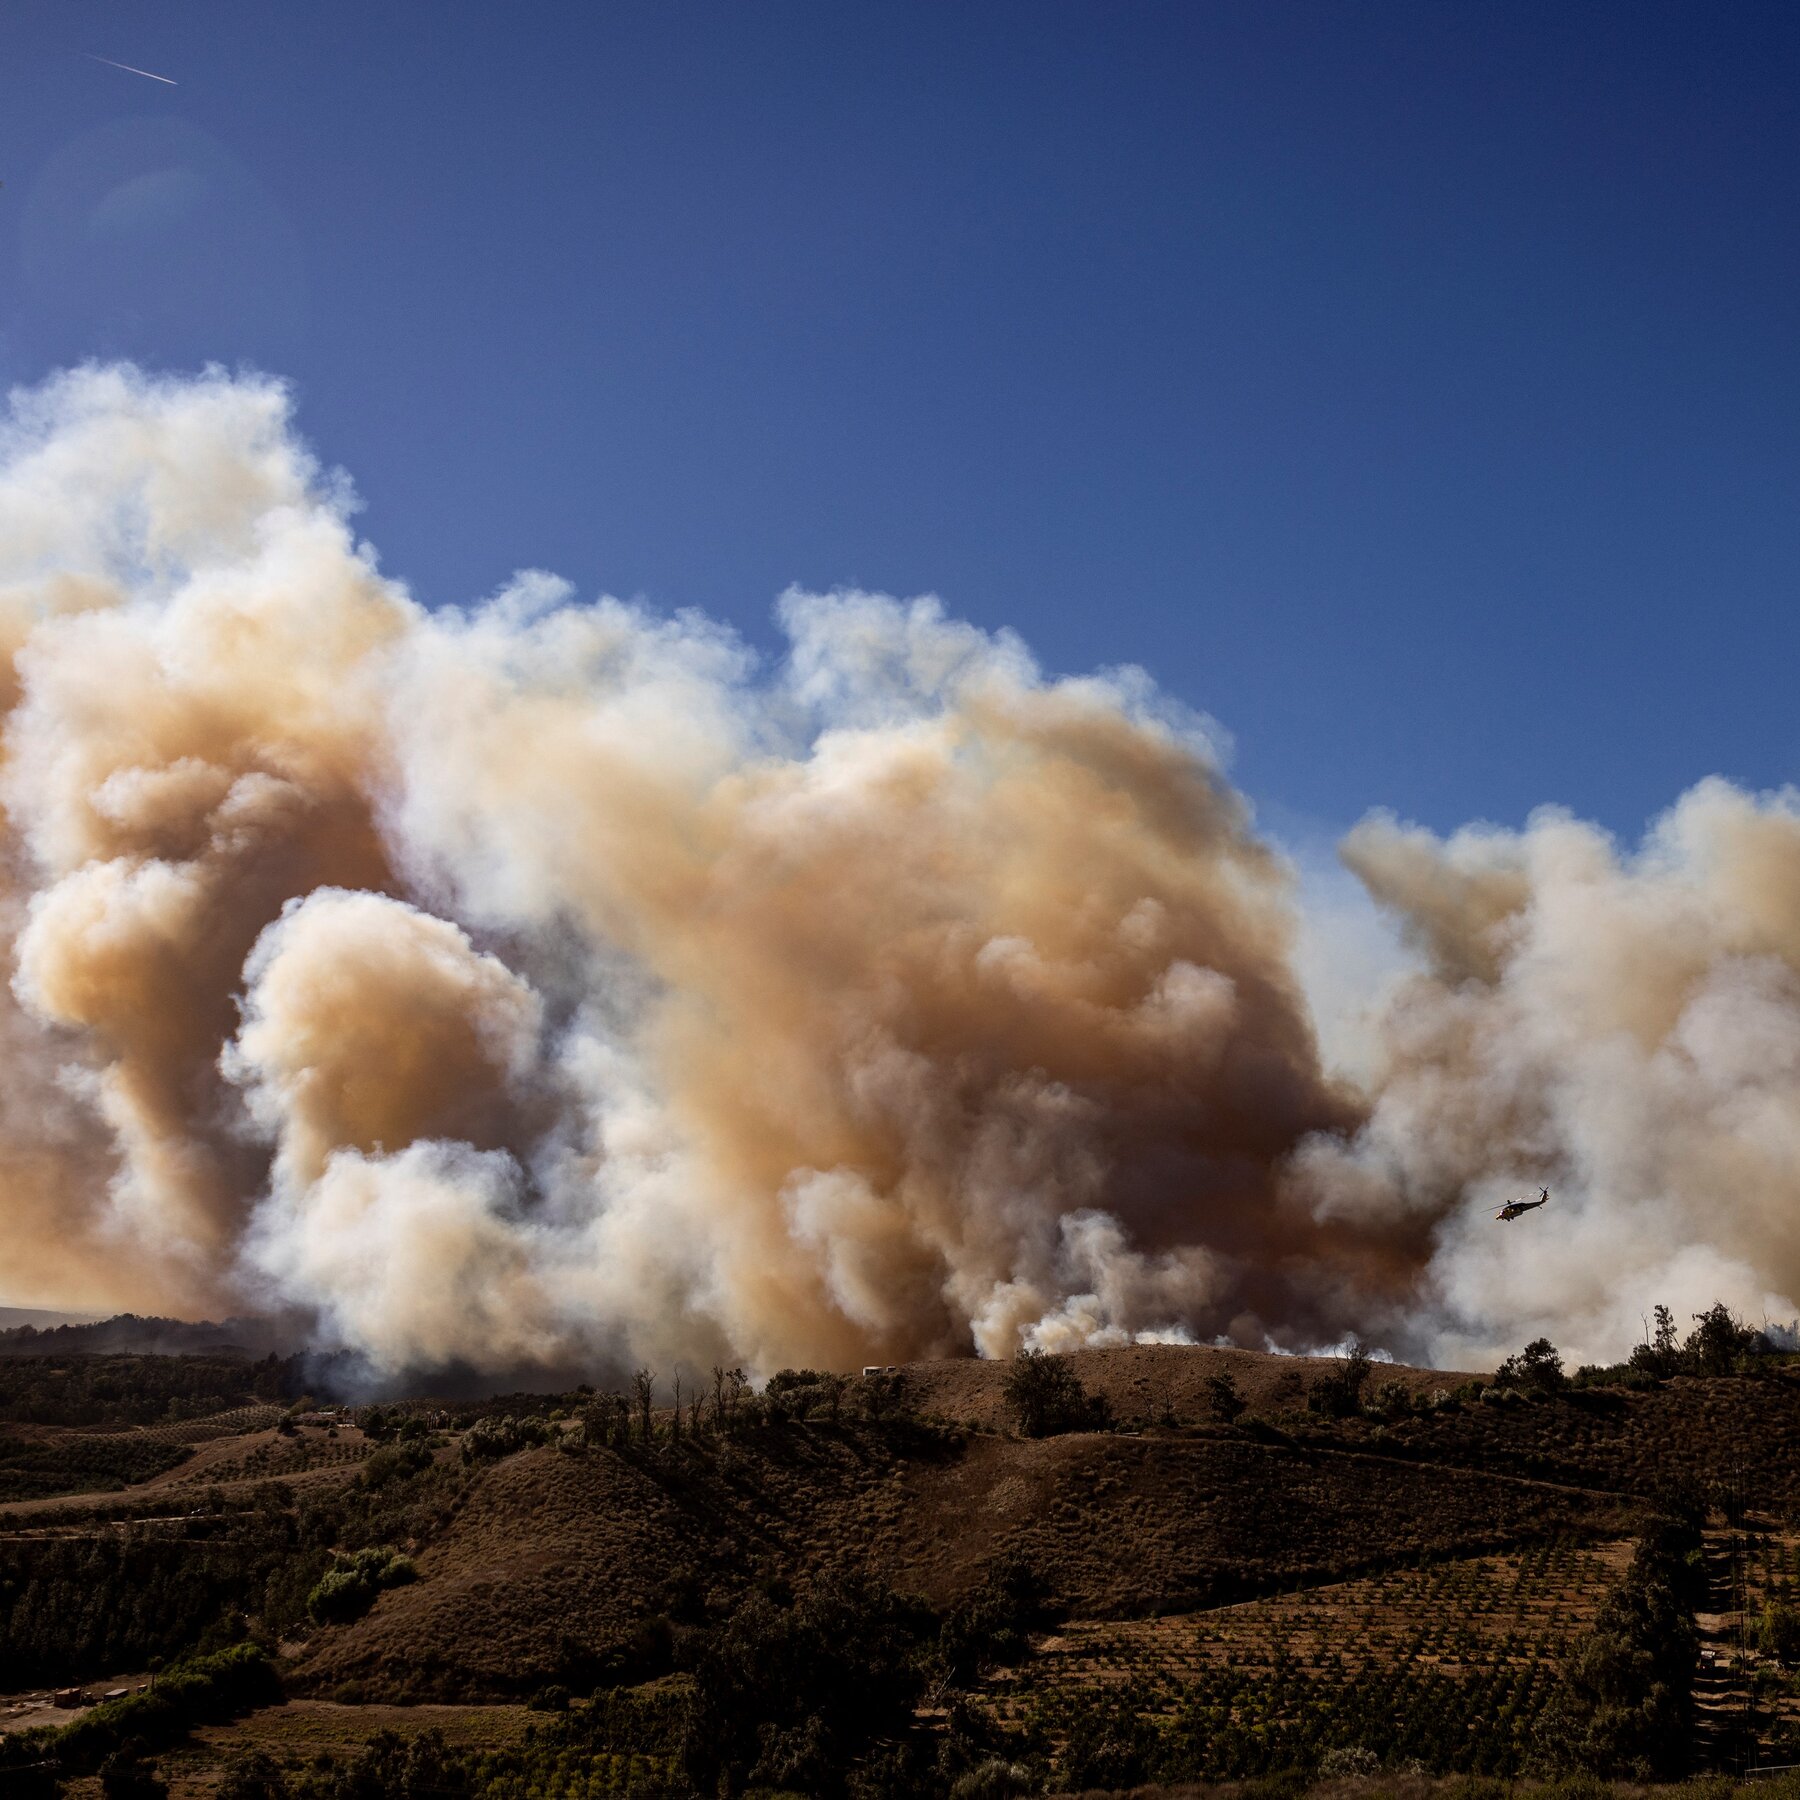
(550, 983)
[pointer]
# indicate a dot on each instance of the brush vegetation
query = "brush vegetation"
(1140, 1566)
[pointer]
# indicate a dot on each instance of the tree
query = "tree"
(1537, 1369)
(728, 1390)
(1110, 1743)
(1339, 1394)
(390, 1767)
(1046, 1397)
(882, 1392)
(992, 1626)
(596, 1424)
(1718, 1344)
(780, 1701)
(643, 1391)
(1224, 1399)
(1625, 1706)
(1660, 1353)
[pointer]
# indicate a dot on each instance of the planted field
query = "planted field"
(1445, 1664)
(41, 1461)
(75, 1462)
(300, 1730)
(516, 1754)
(235, 1422)
(273, 1457)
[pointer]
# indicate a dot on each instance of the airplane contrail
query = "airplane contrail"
(129, 70)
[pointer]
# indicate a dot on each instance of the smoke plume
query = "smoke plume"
(1624, 1029)
(553, 983)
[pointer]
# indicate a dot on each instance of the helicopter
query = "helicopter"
(1513, 1208)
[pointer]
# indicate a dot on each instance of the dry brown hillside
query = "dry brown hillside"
(1412, 1568)
(553, 1557)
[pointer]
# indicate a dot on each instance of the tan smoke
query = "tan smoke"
(549, 982)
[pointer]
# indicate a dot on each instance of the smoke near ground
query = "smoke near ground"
(1624, 1029)
(551, 983)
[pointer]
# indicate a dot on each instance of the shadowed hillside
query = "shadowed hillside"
(1209, 1560)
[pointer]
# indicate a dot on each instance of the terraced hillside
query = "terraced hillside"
(1445, 1664)
(1227, 1590)
(549, 1546)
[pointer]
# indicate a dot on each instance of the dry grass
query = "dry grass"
(1146, 1384)
(299, 1732)
(546, 1549)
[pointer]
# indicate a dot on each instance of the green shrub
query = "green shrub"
(1630, 1375)
(126, 1775)
(501, 1434)
(1391, 1400)
(349, 1587)
(992, 1628)
(995, 1779)
(788, 1381)
(394, 1462)
(1778, 1633)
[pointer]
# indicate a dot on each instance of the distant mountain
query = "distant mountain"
(127, 1334)
(12, 1317)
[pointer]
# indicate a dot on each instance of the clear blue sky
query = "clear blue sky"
(1414, 387)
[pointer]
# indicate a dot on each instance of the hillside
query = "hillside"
(1171, 1513)
(1443, 1534)
(1148, 1384)
(549, 1546)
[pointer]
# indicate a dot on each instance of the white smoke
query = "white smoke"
(1622, 1027)
(550, 982)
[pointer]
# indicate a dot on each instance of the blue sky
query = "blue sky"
(1413, 387)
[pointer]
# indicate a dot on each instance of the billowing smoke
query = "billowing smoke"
(552, 983)
(1623, 1029)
